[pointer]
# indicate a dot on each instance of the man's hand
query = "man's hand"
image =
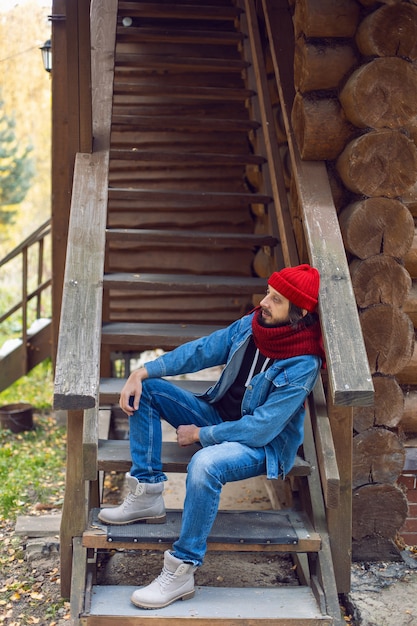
(132, 388)
(188, 434)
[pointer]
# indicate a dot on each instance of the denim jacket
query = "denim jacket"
(273, 404)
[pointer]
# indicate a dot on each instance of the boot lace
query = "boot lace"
(130, 499)
(165, 578)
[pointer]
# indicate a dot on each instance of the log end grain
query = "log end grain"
(389, 31)
(375, 226)
(379, 163)
(381, 94)
(378, 509)
(388, 335)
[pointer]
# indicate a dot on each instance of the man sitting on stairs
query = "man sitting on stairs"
(251, 422)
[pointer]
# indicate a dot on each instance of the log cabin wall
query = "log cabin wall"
(355, 107)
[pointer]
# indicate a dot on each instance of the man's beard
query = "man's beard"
(263, 323)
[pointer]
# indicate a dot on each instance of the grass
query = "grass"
(32, 463)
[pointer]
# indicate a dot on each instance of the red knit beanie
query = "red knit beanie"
(300, 285)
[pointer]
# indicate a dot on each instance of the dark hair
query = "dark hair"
(296, 316)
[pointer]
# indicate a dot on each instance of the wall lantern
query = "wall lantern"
(46, 51)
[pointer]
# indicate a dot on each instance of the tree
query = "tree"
(16, 168)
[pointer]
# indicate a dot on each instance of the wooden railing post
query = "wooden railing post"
(339, 520)
(73, 518)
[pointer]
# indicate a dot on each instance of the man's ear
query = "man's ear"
(304, 312)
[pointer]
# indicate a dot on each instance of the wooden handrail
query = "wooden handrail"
(349, 376)
(36, 238)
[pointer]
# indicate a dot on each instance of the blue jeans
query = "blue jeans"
(209, 469)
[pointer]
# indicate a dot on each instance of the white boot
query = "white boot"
(144, 502)
(175, 582)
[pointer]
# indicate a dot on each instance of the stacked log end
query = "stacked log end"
(355, 74)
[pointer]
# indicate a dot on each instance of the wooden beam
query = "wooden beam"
(326, 454)
(73, 520)
(277, 182)
(339, 520)
(79, 76)
(61, 169)
(77, 367)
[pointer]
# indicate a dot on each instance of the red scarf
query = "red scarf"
(283, 342)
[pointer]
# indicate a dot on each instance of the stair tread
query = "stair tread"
(278, 531)
(175, 197)
(183, 157)
(150, 89)
(282, 605)
(179, 62)
(146, 34)
(114, 454)
(110, 388)
(177, 10)
(189, 158)
(189, 237)
(143, 336)
(173, 333)
(180, 122)
(186, 283)
(249, 527)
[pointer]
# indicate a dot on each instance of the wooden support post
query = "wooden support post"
(339, 520)
(61, 174)
(73, 519)
(79, 77)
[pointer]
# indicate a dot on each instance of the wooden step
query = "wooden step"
(110, 389)
(149, 157)
(171, 62)
(183, 123)
(178, 10)
(284, 606)
(184, 237)
(150, 336)
(242, 531)
(186, 283)
(114, 455)
(131, 173)
(178, 36)
(182, 199)
(147, 92)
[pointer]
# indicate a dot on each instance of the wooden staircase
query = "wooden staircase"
(182, 198)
